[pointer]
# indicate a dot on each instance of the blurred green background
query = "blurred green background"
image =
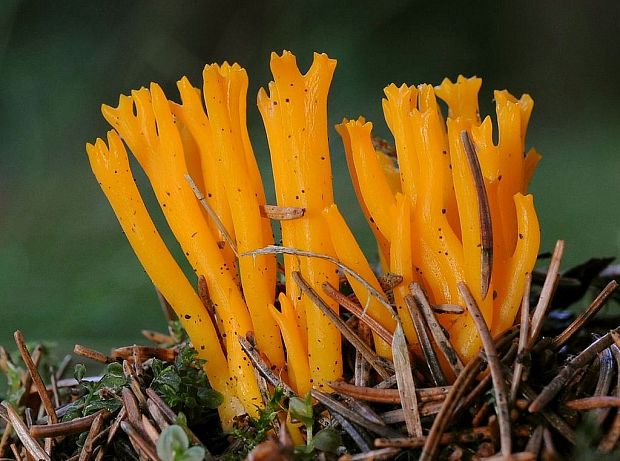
(66, 271)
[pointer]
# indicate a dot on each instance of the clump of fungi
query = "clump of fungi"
(449, 212)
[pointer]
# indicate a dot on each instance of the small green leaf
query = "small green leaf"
(95, 405)
(114, 377)
(172, 443)
(79, 372)
(210, 398)
(73, 411)
(195, 453)
(303, 452)
(14, 383)
(301, 410)
(181, 421)
(327, 440)
(184, 386)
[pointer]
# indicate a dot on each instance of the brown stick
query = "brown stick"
(275, 249)
(111, 433)
(263, 368)
(212, 214)
(534, 444)
(363, 409)
(524, 333)
(420, 327)
(345, 330)
(142, 353)
(372, 394)
(54, 386)
(373, 455)
(166, 308)
(587, 355)
(484, 215)
(281, 213)
(362, 368)
(441, 420)
(546, 293)
(521, 456)
(16, 453)
(473, 435)
(36, 377)
(406, 385)
(87, 449)
(30, 444)
(398, 415)
(140, 442)
(75, 426)
(131, 405)
(157, 337)
(388, 281)
(447, 309)
(205, 297)
(91, 354)
(358, 311)
(354, 417)
(460, 386)
(581, 320)
(163, 407)
(469, 401)
(553, 419)
(149, 429)
(437, 332)
(5, 441)
(499, 384)
(590, 403)
(353, 432)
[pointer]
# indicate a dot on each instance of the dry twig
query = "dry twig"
(523, 338)
(281, 213)
(499, 384)
(546, 294)
(346, 331)
(484, 214)
(406, 385)
(556, 384)
(586, 315)
(436, 330)
(30, 444)
(358, 311)
(420, 327)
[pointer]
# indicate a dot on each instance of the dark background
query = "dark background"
(66, 272)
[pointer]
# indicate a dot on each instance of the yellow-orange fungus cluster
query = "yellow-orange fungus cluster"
(450, 208)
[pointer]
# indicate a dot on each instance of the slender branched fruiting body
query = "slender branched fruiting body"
(350, 254)
(450, 211)
(295, 118)
(156, 144)
(470, 221)
(111, 167)
(224, 87)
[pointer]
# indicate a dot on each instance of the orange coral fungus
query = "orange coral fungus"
(451, 209)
